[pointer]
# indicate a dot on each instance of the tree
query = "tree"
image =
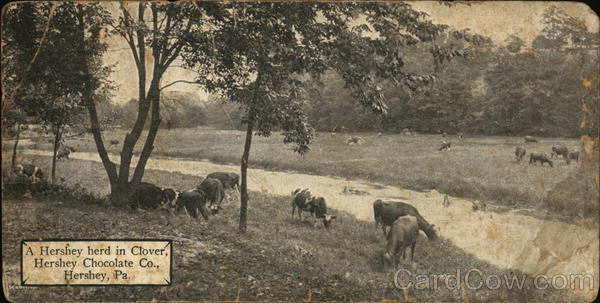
(159, 28)
(259, 55)
(21, 35)
(52, 89)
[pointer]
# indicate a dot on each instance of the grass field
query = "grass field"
(476, 167)
(212, 262)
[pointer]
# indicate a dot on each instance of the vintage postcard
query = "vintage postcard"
(384, 151)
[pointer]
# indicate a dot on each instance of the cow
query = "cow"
(229, 180)
(114, 142)
(530, 139)
(520, 153)
(445, 146)
(446, 202)
(193, 201)
(318, 208)
(149, 196)
(574, 156)
(355, 140)
(64, 152)
(560, 151)
(214, 191)
(301, 199)
(31, 172)
(542, 158)
(403, 234)
(386, 212)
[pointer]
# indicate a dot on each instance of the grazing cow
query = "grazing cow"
(560, 151)
(574, 156)
(520, 153)
(379, 135)
(301, 199)
(386, 212)
(229, 180)
(542, 158)
(403, 234)
(150, 196)
(33, 173)
(194, 202)
(445, 146)
(214, 191)
(530, 139)
(114, 142)
(318, 208)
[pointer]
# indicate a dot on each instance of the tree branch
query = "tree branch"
(179, 81)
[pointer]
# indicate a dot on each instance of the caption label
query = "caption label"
(91, 262)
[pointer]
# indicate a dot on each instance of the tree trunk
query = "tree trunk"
(55, 151)
(244, 173)
(14, 154)
(154, 96)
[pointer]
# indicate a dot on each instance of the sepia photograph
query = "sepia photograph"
(300, 151)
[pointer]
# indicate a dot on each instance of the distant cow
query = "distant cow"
(194, 202)
(150, 196)
(530, 139)
(386, 212)
(319, 211)
(445, 146)
(355, 140)
(229, 180)
(214, 191)
(560, 151)
(520, 153)
(403, 234)
(542, 158)
(64, 152)
(574, 156)
(33, 173)
(114, 142)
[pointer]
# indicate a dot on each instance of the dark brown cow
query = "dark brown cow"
(194, 202)
(229, 180)
(542, 158)
(560, 151)
(213, 189)
(150, 196)
(386, 212)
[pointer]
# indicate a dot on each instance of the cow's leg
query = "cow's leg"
(204, 212)
(412, 251)
(293, 209)
(383, 229)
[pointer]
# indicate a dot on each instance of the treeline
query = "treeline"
(548, 88)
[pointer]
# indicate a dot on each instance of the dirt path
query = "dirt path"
(507, 240)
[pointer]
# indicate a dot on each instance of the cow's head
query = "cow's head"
(431, 232)
(327, 219)
(170, 196)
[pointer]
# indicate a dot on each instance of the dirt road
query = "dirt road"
(507, 239)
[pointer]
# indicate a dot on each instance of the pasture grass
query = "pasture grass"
(278, 259)
(477, 167)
